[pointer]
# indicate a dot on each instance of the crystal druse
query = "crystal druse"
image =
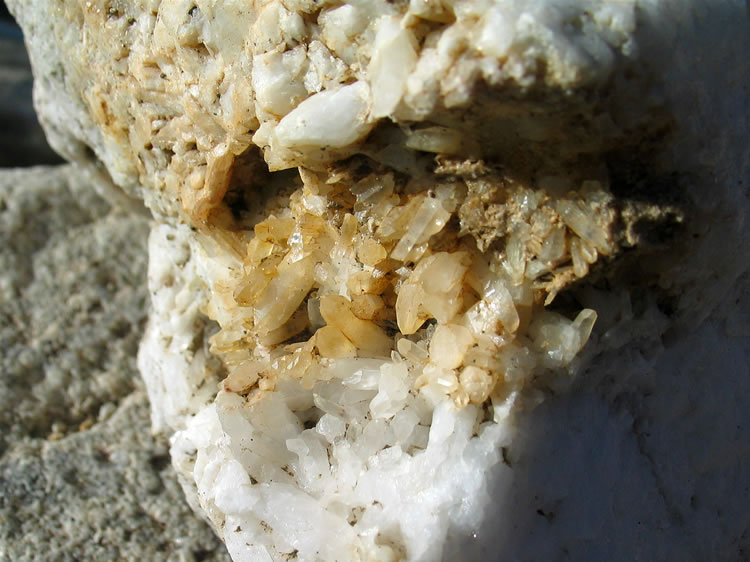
(387, 231)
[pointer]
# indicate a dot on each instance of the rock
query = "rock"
(551, 217)
(106, 493)
(81, 476)
(66, 324)
(175, 98)
(648, 463)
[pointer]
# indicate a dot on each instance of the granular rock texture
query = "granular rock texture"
(178, 97)
(72, 305)
(106, 493)
(81, 476)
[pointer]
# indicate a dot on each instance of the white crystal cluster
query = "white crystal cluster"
(374, 360)
(348, 488)
(357, 465)
(380, 320)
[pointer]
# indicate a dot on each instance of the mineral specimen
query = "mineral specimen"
(386, 229)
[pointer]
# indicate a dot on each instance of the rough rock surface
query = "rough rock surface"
(177, 95)
(81, 476)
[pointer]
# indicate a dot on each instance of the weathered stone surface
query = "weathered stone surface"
(73, 302)
(81, 476)
(107, 493)
(178, 95)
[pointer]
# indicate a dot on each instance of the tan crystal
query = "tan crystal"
(332, 343)
(366, 336)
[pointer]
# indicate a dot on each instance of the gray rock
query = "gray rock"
(108, 493)
(73, 302)
(81, 476)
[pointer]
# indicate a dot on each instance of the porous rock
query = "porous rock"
(81, 475)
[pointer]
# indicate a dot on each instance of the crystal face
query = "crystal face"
(350, 268)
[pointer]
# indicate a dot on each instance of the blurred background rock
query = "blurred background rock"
(81, 475)
(22, 141)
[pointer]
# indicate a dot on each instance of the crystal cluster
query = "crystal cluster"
(379, 267)
(178, 96)
(378, 335)
(384, 229)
